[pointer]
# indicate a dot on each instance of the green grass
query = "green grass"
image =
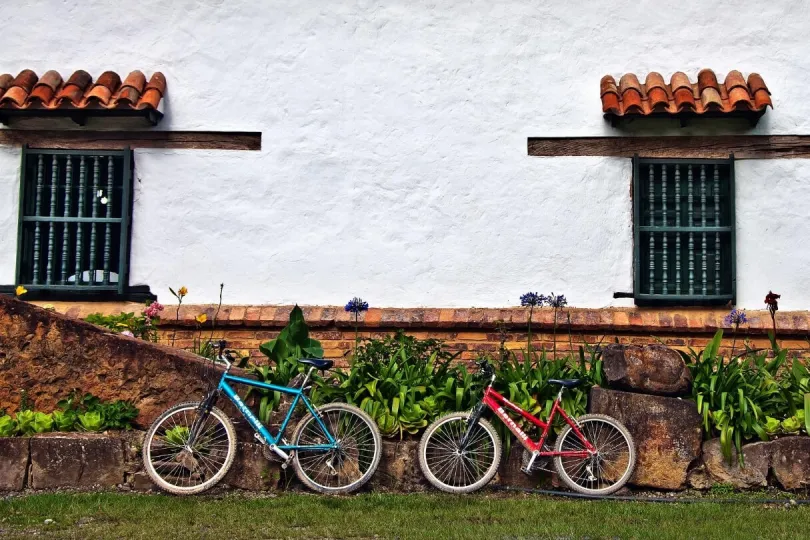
(126, 515)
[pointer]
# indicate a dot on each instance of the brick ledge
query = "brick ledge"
(607, 320)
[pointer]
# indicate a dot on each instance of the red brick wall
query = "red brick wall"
(469, 331)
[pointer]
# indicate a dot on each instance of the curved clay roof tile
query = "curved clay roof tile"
(157, 82)
(5, 82)
(755, 83)
(74, 88)
(739, 97)
(711, 98)
(25, 80)
(654, 80)
(610, 102)
(684, 99)
(103, 89)
(607, 84)
(46, 87)
(658, 97)
(734, 79)
(153, 93)
(680, 80)
(629, 81)
(131, 89)
(707, 79)
(80, 78)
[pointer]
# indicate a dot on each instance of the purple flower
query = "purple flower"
(736, 317)
(556, 301)
(356, 305)
(532, 299)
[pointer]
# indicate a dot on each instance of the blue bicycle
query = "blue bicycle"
(190, 447)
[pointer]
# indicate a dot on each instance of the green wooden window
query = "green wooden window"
(74, 220)
(683, 217)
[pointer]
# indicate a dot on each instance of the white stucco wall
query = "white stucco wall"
(393, 161)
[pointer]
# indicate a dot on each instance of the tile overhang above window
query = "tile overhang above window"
(682, 98)
(79, 97)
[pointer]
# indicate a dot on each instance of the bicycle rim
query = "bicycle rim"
(183, 468)
(453, 468)
(351, 463)
(603, 472)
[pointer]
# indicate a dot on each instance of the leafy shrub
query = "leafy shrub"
(403, 383)
(8, 426)
(91, 421)
(139, 325)
(25, 422)
(64, 420)
(178, 435)
(736, 398)
(292, 343)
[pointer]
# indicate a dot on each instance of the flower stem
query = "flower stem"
(554, 335)
(529, 334)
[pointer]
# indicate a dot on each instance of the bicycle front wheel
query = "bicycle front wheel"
(347, 467)
(184, 467)
(605, 471)
(454, 469)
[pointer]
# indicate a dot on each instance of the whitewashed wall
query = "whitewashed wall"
(394, 162)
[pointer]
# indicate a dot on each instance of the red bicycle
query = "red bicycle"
(460, 452)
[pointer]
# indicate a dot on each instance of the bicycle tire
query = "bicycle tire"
(158, 479)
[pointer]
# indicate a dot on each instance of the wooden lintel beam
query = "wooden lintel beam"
(108, 140)
(720, 146)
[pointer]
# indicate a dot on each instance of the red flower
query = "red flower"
(771, 300)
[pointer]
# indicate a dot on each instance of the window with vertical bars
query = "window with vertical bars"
(683, 213)
(74, 220)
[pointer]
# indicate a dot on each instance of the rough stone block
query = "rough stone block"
(790, 460)
(754, 473)
(78, 460)
(650, 369)
(13, 463)
(666, 432)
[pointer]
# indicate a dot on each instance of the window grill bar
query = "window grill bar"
(716, 235)
(66, 214)
(94, 213)
(664, 264)
(691, 218)
(704, 251)
(80, 215)
(37, 206)
(677, 224)
(108, 227)
(52, 213)
(652, 224)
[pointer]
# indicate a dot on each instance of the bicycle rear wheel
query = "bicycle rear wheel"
(181, 468)
(449, 467)
(352, 463)
(607, 470)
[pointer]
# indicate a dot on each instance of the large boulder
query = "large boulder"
(13, 462)
(790, 461)
(666, 432)
(752, 473)
(252, 471)
(650, 369)
(399, 467)
(77, 460)
(48, 355)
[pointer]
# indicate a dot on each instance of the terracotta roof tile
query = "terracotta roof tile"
(630, 98)
(26, 90)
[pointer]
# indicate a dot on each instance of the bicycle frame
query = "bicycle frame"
(497, 402)
(261, 430)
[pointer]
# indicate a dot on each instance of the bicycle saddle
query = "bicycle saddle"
(317, 363)
(568, 383)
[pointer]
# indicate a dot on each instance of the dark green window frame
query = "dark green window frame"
(74, 222)
(684, 237)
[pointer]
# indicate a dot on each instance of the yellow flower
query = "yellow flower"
(49, 307)
(182, 292)
(20, 290)
(201, 318)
